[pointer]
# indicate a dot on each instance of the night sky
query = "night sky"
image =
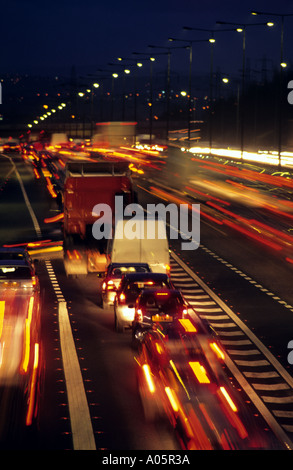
(45, 37)
(51, 37)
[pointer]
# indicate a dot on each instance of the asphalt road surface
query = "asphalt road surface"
(240, 286)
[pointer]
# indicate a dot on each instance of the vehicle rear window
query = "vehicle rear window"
(162, 302)
(128, 269)
(143, 285)
(15, 272)
(11, 256)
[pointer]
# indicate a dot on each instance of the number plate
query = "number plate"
(162, 318)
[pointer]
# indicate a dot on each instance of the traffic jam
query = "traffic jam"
(179, 359)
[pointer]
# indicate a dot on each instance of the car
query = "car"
(181, 379)
(16, 274)
(157, 306)
(15, 253)
(113, 277)
(20, 349)
(129, 289)
(11, 147)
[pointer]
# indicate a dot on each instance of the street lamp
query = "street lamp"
(169, 49)
(241, 28)
(138, 64)
(190, 42)
(282, 66)
(126, 72)
(212, 42)
(150, 103)
(114, 75)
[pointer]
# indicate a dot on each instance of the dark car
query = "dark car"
(18, 274)
(16, 254)
(11, 147)
(20, 349)
(162, 307)
(182, 379)
(114, 273)
(129, 289)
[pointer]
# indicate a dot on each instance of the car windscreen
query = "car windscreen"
(14, 272)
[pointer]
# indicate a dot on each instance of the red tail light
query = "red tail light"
(138, 315)
(122, 297)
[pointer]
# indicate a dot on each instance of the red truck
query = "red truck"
(87, 184)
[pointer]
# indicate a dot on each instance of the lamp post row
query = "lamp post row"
(240, 27)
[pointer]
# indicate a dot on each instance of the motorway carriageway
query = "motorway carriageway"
(258, 374)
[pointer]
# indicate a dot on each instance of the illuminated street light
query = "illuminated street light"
(282, 66)
(168, 97)
(212, 42)
(241, 28)
(150, 104)
(190, 42)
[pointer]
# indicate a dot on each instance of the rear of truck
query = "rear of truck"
(86, 185)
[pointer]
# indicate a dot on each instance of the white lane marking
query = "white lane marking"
(271, 387)
(243, 352)
(246, 277)
(80, 420)
(258, 401)
(238, 322)
(81, 426)
(27, 202)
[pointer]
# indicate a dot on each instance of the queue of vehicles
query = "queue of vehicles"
(180, 373)
(180, 362)
(20, 344)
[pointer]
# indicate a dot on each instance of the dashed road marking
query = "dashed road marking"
(246, 277)
(80, 420)
(252, 362)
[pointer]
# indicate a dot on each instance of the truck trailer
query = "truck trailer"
(86, 185)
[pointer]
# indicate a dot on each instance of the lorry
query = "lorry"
(58, 140)
(87, 184)
(114, 134)
(148, 243)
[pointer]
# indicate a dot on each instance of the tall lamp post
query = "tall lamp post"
(169, 49)
(114, 76)
(151, 59)
(212, 42)
(282, 65)
(190, 42)
(138, 64)
(241, 28)
(126, 72)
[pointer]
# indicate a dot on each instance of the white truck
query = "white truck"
(114, 134)
(143, 241)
